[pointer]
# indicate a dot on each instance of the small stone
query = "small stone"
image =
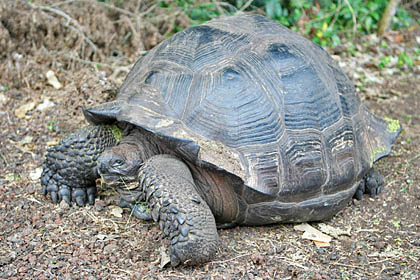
(333, 257)
(416, 243)
(64, 205)
(380, 245)
(110, 248)
(165, 203)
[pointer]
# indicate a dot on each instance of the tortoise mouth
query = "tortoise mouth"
(117, 180)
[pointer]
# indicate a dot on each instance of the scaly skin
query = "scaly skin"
(166, 184)
(371, 184)
(70, 166)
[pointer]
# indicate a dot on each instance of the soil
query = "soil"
(89, 46)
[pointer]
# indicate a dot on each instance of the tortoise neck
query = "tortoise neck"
(146, 146)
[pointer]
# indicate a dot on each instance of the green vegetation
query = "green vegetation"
(327, 22)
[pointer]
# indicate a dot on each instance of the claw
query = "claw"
(66, 198)
(358, 195)
(64, 194)
(54, 197)
(91, 199)
(91, 193)
(141, 212)
(80, 201)
(44, 190)
(79, 195)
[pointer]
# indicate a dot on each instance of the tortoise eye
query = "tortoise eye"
(117, 162)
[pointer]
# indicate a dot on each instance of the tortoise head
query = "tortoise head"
(119, 165)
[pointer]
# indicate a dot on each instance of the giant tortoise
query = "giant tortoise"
(238, 121)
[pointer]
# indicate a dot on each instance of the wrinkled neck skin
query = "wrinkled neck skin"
(119, 165)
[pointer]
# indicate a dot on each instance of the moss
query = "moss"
(393, 125)
(116, 132)
(376, 152)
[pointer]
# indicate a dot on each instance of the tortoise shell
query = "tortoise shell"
(248, 96)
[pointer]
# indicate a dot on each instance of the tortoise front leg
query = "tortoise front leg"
(167, 185)
(70, 166)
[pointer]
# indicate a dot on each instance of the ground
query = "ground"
(41, 240)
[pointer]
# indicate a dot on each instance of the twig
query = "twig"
(353, 16)
(78, 28)
(231, 259)
(415, 157)
(293, 263)
(34, 200)
(410, 4)
(380, 261)
(109, 6)
(348, 265)
(88, 62)
(246, 5)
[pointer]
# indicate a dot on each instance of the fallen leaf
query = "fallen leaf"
(398, 38)
(312, 233)
(52, 79)
(117, 211)
(164, 258)
(101, 236)
(35, 174)
(21, 111)
(52, 143)
(335, 232)
(3, 98)
(45, 105)
(26, 140)
(321, 244)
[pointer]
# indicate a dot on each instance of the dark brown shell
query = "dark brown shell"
(285, 118)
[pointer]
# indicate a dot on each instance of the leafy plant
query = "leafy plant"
(325, 21)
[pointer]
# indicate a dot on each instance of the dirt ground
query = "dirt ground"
(89, 46)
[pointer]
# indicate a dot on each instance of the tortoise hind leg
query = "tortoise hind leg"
(167, 185)
(69, 172)
(370, 184)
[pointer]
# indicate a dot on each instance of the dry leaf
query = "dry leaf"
(45, 105)
(164, 258)
(101, 236)
(335, 232)
(25, 108)
(321, 244)
(35, 174)
(117, 211)
(3, 98)
(52, 79)
(312, 233)
(26, 140)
